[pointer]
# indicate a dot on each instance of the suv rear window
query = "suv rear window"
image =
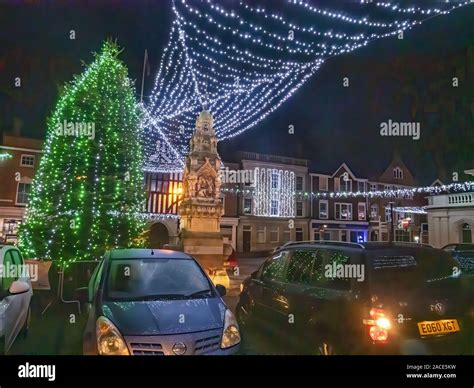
(411, 268)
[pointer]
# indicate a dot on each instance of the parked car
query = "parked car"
(347, 298)
(464, 256)
(156, 302)
(15, 297)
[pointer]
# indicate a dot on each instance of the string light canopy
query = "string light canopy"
(242, 61)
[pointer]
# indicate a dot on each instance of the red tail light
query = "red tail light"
(379, 325)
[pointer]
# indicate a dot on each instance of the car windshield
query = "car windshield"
(156, 279)
(404, 270)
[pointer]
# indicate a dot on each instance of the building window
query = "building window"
(274, 179)
(323, 183)
(346, 184)
(22, 194)
(223, 201)
(164, 192)
(10, 227)
(337, 184)
(360, 186)
(343, 211)
(361, 211)
(397, 173)
(299, 183)
(299, 209)
(27, 161)
(261, 230)
(247, 205)
(286, 235)
(274, 207)
(373, 187)
(299, 234)
(274, 235)
(388, 215)
(374, 211)
(323, 209)
(402, 235)
(466, 235)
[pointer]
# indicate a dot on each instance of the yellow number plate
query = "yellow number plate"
(443, 326)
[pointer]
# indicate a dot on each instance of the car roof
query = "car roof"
(374, 245)
(142, 253)
(349, 245)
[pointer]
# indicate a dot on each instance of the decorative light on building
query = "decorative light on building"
(273, 195)
(5, 156)
(409, 209)
(390, 193)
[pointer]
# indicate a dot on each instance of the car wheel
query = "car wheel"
(26, 325)
(326, 349)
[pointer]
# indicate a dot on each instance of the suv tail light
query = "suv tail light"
(379, 325)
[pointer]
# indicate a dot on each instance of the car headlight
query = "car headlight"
(109, 339)
(231, 334)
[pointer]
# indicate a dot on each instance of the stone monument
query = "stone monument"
(201, 207)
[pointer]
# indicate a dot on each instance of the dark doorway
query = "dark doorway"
(466, 236)
(246, 240)
(159, 236)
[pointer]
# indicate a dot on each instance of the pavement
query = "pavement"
(56, 328)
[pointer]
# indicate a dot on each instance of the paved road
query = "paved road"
(245, 269)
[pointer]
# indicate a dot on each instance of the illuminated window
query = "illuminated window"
(343, 211)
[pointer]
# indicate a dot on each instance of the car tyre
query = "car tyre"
(326, 349)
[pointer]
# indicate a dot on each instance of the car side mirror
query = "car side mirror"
(221, 290)
(254, 274)
(82, 294)
(18, 287)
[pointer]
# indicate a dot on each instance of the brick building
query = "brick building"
(17, 170)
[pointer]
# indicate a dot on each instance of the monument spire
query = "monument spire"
(201, 207)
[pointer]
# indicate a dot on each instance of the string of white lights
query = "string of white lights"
(389, 193)
(242, 62)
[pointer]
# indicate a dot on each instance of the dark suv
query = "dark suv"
(464, 255)
(371, 298)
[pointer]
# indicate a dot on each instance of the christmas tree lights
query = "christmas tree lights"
(88, 189)
(242, 61)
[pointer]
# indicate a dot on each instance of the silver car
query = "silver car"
(156, 302)
(15, 296)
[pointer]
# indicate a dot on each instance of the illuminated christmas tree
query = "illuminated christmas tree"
(88, 191)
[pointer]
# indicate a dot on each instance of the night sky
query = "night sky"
(332, 123)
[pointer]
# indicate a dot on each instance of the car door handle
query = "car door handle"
(281, 299)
